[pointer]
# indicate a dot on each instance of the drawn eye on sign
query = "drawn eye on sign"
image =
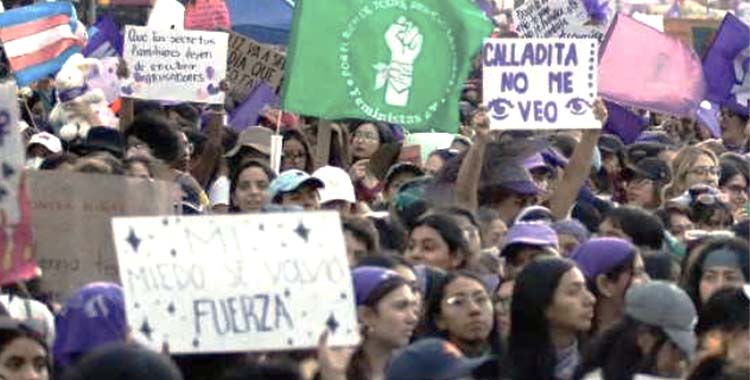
(500, 108)
(578, 106)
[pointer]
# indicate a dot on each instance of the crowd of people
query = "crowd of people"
(519, 255)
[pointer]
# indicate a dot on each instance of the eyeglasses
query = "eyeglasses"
(461, 301)
(705, 170)
(366, 136)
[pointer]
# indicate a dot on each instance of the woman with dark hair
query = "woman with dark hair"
(361, 237)
(388, 311)
(23, 353)
(436, 240)
(610, 266)
(724, 325)
(721, 263)
(367, 137)
(437, 159)
(735, 183)
(550, 307)
(460, 311)
(655, 337)
(248, 187)
(296, 152)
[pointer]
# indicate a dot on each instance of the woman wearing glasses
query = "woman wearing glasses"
(461, 311)
(693, 166)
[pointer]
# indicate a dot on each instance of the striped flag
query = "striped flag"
(39, 38)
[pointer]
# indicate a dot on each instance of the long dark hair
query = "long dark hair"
(359, 367)
(433, 309)
(617, 354)
(692, 277)
(531, 355)
(447, 227)
(235, 176)
(296, 134)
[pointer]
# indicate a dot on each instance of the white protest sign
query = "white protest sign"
(236, 283)
(178, 65)
(556, 18)
(540, 83)
(251, 62)
(12, 154)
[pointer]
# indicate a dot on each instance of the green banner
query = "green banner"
(397, 61)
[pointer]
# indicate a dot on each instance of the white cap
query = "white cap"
(338, 185)
(46, 140)
(25, 309)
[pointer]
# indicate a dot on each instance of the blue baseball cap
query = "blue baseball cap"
(292, 180)
(432, 359)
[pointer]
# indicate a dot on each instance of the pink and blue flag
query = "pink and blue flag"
(644, 68)
(39, 38)
(727, 66)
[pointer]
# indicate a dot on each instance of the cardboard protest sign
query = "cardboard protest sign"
(207, 15)
(251, 62)
(236, 283)
(180, 65)
(561, 18)
(16, 261)
(540, 83)
(71, 213)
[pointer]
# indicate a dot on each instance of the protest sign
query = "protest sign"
(16, 262)
(179, 65)
(250, 63)
(540, 83)
(207, 15)
(695, 33)
(71, 213)
(563, 18)
(236, 283)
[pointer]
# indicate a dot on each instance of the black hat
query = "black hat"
(106, 139)
(650, 168)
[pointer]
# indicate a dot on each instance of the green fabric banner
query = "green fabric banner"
(397, 61)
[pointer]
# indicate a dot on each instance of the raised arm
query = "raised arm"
(579, 167)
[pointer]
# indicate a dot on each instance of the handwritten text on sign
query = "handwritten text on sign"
(556, 18)
(251, 62)
(177, 65)
(236, 283)
(540, 83)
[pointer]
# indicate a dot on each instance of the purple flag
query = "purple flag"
(107, 42)
(248, 112)
(623, 123)
(726, 66)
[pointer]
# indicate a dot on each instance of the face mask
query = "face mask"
(34, 163)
